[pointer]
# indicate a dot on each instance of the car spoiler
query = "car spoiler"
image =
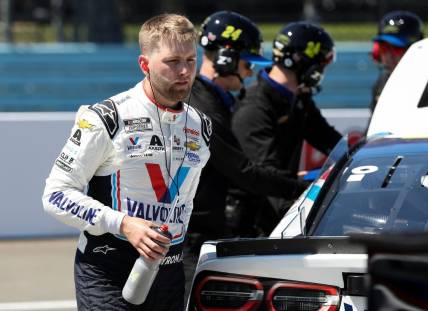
(296, 245)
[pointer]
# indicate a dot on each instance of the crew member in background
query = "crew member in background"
(278, 113)
(396, 32)
(232, 45)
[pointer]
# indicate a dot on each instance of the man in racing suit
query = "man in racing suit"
(133, 152)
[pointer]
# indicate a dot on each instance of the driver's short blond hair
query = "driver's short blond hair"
(166, 28)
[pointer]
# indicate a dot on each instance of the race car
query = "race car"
(308, 263)
(379, 185)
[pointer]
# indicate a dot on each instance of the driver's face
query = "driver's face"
(172, 68)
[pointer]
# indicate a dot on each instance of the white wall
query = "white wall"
(30, 144)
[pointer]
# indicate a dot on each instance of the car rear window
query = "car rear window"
(378, 195)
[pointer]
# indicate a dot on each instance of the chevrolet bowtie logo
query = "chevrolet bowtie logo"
(103, 249)
(84, 124)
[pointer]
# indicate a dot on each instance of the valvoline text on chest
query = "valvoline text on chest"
(154, 212)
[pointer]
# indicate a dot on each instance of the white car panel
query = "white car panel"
(396, 111)
(305, 268)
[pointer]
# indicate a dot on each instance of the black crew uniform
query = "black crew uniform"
(271, 124)
(227, 165)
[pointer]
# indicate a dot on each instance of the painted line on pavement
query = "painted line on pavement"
(39, 305)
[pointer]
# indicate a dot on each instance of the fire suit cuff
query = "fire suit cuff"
(112, 221)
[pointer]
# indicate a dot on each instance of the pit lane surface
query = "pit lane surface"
(37, 274)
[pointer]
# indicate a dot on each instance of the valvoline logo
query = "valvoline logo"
(134, 140)
(163, 193)
(134, 144)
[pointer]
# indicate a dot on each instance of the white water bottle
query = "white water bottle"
(142, 275)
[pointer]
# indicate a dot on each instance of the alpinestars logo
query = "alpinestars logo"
(163, 193)
(103, 249)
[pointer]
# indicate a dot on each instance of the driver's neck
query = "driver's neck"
(157, 97)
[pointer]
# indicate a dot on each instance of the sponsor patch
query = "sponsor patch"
(135, 143)
(177, 148)
(192, 145)
(63, 203)
(144, 155)
(77, 136)
(155, 212)
(106, 110)
(155, 144)
(103, 249)
(66, 158)
(84, 124)
(191, 131)
(193, 157)
(169, 260)
(63, 166)
(138, 125)
(177, 140)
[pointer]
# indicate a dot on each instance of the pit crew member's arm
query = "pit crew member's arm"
(228, 158)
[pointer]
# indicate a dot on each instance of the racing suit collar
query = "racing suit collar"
(153, 101)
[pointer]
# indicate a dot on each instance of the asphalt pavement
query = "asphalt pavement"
(37, 274)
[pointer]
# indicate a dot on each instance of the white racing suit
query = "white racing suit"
(127, 156)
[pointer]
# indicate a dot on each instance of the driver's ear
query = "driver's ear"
(143, 61)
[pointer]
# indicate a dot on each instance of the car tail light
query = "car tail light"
(284, 296)
(217, 293)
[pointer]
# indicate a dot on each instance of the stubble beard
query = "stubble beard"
(167, 90)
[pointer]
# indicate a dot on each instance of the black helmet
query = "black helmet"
(234, 35)
(400, 28)
(305, 49)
